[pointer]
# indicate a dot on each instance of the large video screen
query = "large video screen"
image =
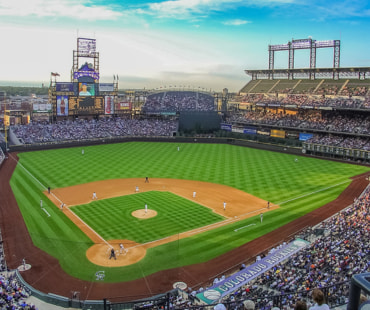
(86, 89)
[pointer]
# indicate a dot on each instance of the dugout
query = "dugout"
(199, 121)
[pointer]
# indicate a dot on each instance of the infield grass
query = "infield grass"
(112, 219)
(299, 187)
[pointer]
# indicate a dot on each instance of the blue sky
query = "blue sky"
(197, 43)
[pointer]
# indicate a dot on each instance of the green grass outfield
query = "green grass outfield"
(299, 187)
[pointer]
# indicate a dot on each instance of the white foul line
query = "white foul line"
(243, 227)
(320, 190)
(18, 163)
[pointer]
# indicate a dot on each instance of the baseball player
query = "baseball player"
(122, 249)
(224, 205)
(146, 208)
(112, 254)
(194, 194)
(261, 215)
(40, 203)
(94, 196)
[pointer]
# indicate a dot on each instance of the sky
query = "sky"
(203, 44)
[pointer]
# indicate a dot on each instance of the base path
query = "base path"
(46, 275)
(239, 205)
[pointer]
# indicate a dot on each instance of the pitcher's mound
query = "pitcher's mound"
(99, 253)
(141, 214)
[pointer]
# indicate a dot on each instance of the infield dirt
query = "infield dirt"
(239, 205)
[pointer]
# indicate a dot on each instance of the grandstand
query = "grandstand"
(344, 87)
(325, 109)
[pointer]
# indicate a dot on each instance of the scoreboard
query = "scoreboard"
(84, 98)
(85, 105)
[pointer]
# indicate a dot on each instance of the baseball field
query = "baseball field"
(179, 228)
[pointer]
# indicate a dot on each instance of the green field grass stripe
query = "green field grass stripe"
(315, 192)
(30, 174)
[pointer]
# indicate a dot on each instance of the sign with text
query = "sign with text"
(232, 283)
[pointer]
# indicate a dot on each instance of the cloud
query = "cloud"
(57, 8)
(236, 22)
(184, 9)
(344, 9)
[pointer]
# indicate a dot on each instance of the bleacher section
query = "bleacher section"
(306, 86)
(248, 88)
(285, 86)
(345, 87)
(177, 101)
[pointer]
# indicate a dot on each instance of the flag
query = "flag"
(55, 74)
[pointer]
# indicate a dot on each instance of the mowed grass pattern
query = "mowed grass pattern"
(299, 187)
(112, 219)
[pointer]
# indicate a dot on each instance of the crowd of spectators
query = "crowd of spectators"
(354, 90)
(339, 247)
(358, 143)
(13, 295)
(2, 156)
(303, 100)
(93, 129)
(307, 119)
(177, 101)
(333, 122)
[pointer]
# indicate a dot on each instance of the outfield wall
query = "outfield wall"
(239, 141)
(217, 140)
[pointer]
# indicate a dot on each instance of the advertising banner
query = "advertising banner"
(277, 133)
(65, 87)
(305, 136)
(106, 87)
(263, 132)
(250, 130)
(124, 105)
(237, 129)
(62, 105)
(41, 107)
(109, 104)
(226, 127)
(232, 283)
